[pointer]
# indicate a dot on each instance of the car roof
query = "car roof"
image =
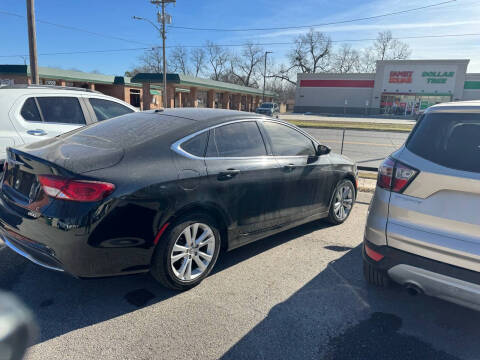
(24, 88)
(9, 92)
(208, 116)
(163, 127)
(456, 106)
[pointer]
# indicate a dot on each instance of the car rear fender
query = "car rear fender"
(221, 217)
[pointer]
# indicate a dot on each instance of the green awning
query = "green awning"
(178, 90)
(155, 92)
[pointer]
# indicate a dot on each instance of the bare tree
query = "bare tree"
(388, 48)
(197, 58)
(152, 61)
(179, 60)
(285, 91)
(218, 58)
(246, 66)
(283, 73)
(346, 60)
(311, 52)
(385, 47)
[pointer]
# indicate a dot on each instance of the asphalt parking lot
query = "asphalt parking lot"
(296, 295)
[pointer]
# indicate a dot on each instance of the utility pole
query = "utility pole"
(164, 19)
(265, 74)
(32, 42)
(164, 37)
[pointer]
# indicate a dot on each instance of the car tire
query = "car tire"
(374, 276)
(176, 263)
(338, 215)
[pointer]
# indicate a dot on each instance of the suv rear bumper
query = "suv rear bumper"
(434, 278)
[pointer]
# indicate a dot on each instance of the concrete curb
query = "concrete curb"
(366, 185)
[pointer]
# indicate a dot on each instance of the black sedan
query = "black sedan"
(164, 191)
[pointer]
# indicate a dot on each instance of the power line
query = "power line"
(75, 28)
(85, 52)
(314, 25)
(239, 45)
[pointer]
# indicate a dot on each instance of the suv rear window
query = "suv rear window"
(60, 109)
(448, 139)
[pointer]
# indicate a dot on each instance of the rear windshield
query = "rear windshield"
(133, 129)
(448, 139)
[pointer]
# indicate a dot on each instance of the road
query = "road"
(368, 148)
(297, 295)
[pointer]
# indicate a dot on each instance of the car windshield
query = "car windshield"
(266, 105)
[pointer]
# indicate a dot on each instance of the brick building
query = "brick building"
(145, 90)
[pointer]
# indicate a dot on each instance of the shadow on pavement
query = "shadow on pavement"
(338, 316)
(62, 303)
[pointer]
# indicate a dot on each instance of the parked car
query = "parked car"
(269, 109)
(423, 228)
(30, 113)
(163, 191)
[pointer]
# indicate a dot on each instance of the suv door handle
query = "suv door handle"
(228, 174)
(289, 167)
(37, 132)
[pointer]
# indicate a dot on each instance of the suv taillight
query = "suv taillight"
(75, 190)
(394, 175)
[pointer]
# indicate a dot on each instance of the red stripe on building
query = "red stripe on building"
(338, 83)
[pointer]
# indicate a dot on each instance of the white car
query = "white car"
(32, 113)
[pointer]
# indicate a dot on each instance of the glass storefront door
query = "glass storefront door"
(409, 104)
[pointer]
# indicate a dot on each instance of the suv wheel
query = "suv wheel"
(187, 253)
(341, 202)
(374, 276)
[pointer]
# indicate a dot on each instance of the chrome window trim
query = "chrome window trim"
(176, 146)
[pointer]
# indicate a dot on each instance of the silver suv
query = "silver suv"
(423, 226)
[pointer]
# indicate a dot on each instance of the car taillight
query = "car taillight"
(75, 190)
(395, 176)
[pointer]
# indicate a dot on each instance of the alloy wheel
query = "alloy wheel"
(192, 252)
(343, 202)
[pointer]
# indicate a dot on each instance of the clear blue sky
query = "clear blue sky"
(113, 18)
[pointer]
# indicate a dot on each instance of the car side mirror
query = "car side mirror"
(323, 150)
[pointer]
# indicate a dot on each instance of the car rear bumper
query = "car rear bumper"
(39, 255)
(58, 245)
(434, 278)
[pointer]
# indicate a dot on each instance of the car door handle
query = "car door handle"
(36, 132)
(289, 167)
(228, 174)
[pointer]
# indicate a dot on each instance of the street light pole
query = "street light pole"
(265, 74)
(32, 42)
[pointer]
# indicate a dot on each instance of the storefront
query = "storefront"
(404, 87)
(144, 90)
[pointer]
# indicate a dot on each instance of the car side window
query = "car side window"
(30, 111)
(196, 145)
(63, 110)
(106, 109)
(241, 139)
(287, 141)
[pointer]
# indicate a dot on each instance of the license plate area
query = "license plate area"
(19, 185)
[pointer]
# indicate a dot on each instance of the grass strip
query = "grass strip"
(352, 125)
